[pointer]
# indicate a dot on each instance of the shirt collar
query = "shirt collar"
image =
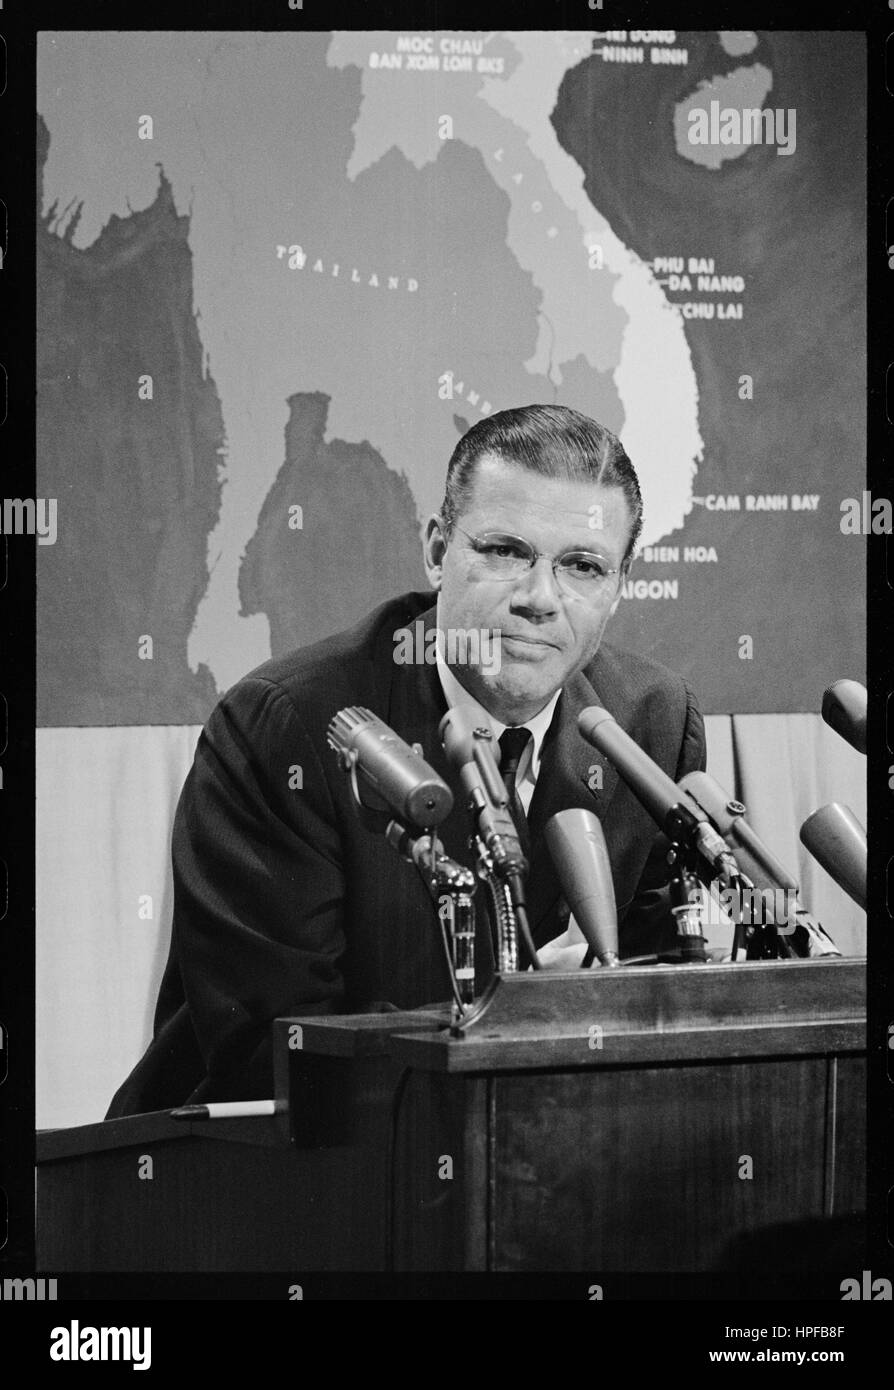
(456, 694)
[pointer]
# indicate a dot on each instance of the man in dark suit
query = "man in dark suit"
(284, 903)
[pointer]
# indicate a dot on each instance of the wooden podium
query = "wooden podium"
(644, 1119)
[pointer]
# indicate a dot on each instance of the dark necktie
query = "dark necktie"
(513, 743)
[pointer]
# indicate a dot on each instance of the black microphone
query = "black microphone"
(837, 841)
(673, 809)
(577, 844)
(468, 746)
(395, 777)
(844, 710)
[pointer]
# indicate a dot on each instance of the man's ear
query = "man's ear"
(434, 547)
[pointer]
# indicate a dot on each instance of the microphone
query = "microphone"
(799, 934)
(837, 841)
(673, 810)
(395, 776)
(844, 710)
(728, 815)
(676, 809)
(469, 748)
(577, 844)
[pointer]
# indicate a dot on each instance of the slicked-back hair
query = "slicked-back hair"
(551, 440)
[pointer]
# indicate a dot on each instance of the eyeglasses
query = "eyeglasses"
(581, 573)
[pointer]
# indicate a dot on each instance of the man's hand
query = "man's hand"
(565, 952)
(556, 955)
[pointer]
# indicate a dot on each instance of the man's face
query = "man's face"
(547, 633)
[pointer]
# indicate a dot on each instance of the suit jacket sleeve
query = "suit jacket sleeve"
(648, 925)
(258, 878)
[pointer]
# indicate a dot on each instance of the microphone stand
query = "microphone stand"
(451, 886)
(501, 865)
(504, 910)
(502, 868)
(687, 903)
(800, 938)
(762, 940)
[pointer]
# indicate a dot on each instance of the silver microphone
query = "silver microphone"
(844, 710)
(395, 776)
(577, 844)
(837, 841)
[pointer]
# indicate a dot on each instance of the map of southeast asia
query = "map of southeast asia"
(279, 275)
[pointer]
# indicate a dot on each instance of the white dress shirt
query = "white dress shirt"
(529, 766)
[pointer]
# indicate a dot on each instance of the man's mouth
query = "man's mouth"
(528, 641)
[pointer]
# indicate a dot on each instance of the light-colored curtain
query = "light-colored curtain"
(784, 767)
(105, 805)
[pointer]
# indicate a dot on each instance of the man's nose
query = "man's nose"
(538, 591)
